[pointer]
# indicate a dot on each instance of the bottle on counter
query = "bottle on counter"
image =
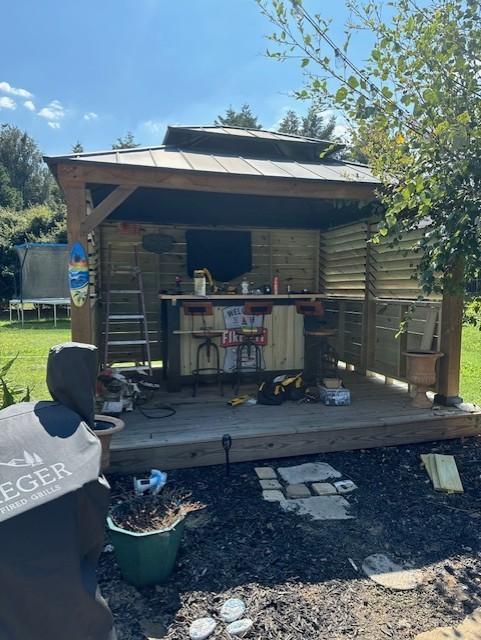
(244, 286)
(276, 284)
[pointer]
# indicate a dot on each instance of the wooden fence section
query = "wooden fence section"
(384, 355)
(343, 260)
(293, 255)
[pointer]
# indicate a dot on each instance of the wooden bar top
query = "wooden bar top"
(239, 296)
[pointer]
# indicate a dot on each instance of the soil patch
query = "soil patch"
(301, 579)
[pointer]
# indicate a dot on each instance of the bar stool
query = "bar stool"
(320, 358)
(250, 336)
(207, 334)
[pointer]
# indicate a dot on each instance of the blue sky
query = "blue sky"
(91, 70)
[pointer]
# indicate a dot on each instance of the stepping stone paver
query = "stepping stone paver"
(319, 507)
(309, 472)
(345, 486)
(270, 484)
(324, 489)
(297, 491)
(390, 574)
(273, 495)
(265, 473)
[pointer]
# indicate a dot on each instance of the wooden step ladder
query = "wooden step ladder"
(140, 316)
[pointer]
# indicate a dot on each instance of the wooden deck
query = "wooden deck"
(380, 415)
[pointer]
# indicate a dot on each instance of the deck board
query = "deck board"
(379, 415)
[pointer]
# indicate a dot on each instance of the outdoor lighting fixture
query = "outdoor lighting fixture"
(227, 444)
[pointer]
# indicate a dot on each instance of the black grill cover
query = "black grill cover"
(52, 510)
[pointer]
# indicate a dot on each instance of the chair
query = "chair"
(320, 359)
(249, 339)
(207, 335)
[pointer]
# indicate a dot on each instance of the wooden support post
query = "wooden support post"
(76, 197)
(369, 310)
(450, 343)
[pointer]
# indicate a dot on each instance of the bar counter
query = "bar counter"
(285, 328)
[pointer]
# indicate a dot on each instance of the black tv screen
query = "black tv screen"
(227, 254)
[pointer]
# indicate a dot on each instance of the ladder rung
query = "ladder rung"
(120, 316)
(125, 271)
(118, 342)
(140, 368)
(125, 291)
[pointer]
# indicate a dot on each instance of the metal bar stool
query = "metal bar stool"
(207, 334)
(320, 360)
(250, 337)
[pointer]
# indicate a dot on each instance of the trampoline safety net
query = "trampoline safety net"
(43, 270)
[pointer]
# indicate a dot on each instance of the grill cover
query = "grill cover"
(53, 506)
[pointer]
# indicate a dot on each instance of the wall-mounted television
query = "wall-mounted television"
(227, 254)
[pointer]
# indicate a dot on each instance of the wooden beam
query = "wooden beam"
(368, 345)
(450, 340)
(76, 198)
(165, 178)
(105, 208)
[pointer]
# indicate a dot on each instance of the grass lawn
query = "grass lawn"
(471, 365)
(35, 339)
(32, 343)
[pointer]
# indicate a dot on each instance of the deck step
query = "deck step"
(113, 343)
(126, 316)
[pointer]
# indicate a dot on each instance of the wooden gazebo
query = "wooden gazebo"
(310, 217)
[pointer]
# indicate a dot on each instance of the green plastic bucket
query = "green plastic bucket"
(146, 558)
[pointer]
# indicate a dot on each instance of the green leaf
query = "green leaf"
(341, 94)
(305, 62)
(353, 82)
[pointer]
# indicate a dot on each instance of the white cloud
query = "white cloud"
(5, 87)
(54, 112)
(7, 103)
(28, 104)
(91, 115)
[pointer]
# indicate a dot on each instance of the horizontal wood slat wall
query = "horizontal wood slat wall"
(293, 255)
(371, 288)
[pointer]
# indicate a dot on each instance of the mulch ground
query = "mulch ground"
(294, 573)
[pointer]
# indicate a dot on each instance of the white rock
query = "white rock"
(319, 507)
(345, 486)
(202, 628)
(240, 627)
(232, 610)
(389, 574)
(309, 472)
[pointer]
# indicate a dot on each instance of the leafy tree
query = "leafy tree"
(416, 103)
(77, 147)
(127, 142)
(290, 123)
(20, 157)
(36, 224)
(243, 118)
(9, 197)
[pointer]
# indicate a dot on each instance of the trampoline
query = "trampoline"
(43, 278)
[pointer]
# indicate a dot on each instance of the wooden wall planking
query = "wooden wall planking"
(293, 255)
(284, 350)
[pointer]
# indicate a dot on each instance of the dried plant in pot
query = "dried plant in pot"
(421, 372)
(146, 532)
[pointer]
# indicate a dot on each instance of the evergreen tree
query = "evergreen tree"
(243, 118)
(78, 147)
(127, 142)
(317, 125)
(290, 123)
